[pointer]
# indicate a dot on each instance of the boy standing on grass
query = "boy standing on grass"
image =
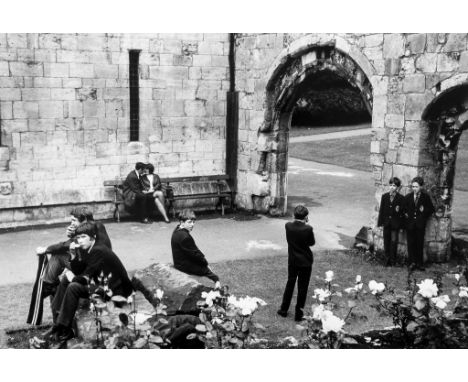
(418, 208)
(391, 219)
(300, 237)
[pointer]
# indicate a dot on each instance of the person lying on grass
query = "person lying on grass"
(95, 260)
(185, 254)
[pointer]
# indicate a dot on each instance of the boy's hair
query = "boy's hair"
(186, 214)
(86, 228)
(150, 168)
(396, 181)
(418, 180)
(139, 165)
(300, 212)
(82, 214)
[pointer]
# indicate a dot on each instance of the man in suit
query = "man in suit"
(418, 208)
(185, 253)
(391, 219)
(51, 268)
(136, 199)
(96, 259)
(300, 237)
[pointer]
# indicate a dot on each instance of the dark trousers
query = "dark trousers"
(302, 274)
(66, 301)
(390, 237)
(415, 240)
(144, 205)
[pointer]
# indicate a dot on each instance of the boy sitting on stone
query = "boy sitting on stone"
(186, 255)
(95, 259)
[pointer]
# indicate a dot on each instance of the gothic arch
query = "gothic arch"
(287, 77)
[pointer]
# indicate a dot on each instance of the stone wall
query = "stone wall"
(64, 111)
(406, 72)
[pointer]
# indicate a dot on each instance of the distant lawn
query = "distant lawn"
(299, 131)
(354, 152)
(351, 152)
(265, 278)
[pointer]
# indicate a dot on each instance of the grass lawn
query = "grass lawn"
(353, 152)
(264, 278)
(299, 131)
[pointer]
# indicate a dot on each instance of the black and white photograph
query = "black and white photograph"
(180, 187)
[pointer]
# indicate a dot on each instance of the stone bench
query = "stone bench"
(181, 294)
(177, 190)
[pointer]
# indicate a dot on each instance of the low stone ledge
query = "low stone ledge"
(181, 291)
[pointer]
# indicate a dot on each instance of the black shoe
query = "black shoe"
(146, 221)
(65, 334)
(298, 317)
(282, 313)
(420, 268)
(51, 332)
(411, 267)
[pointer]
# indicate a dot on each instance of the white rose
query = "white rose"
(427, 288)
(376, 287)
(331, 323)
(358, 279)
(463, 292)
(329, 276)
(441, 301)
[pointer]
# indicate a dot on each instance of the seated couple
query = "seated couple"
(142, 190)
(88, 261)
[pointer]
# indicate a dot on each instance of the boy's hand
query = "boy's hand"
(69, 275)
(70, 231)
(73, 247)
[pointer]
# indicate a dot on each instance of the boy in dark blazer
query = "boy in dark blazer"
(418, 208)
(96, 259)
(185, 253)
(300, 237)
(391, 219)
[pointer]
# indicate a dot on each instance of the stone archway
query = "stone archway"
(290, 75)
(444, 119)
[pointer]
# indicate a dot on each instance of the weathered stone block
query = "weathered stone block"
(56, 70)
(464, 61)
(446, 63)
(392, 66)
(33, 138)
(14, 126)
(81, 70)
(195, 108)
(407, 156)
(25, 109)
(29, 69)
(63, 94)
(393, 46)
(394, 121)
(455, 42)
(415, 105)
(50, 109)
(6, 188)
(106, 70)
(10, 94)
(415, 83)
(416, 43)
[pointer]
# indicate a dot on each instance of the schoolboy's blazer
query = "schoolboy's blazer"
(391, 212)
(416, 215)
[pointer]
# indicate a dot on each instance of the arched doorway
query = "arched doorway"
(444, 119)
(293, 76)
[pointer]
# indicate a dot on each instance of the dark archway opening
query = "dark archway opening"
(329, 100)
